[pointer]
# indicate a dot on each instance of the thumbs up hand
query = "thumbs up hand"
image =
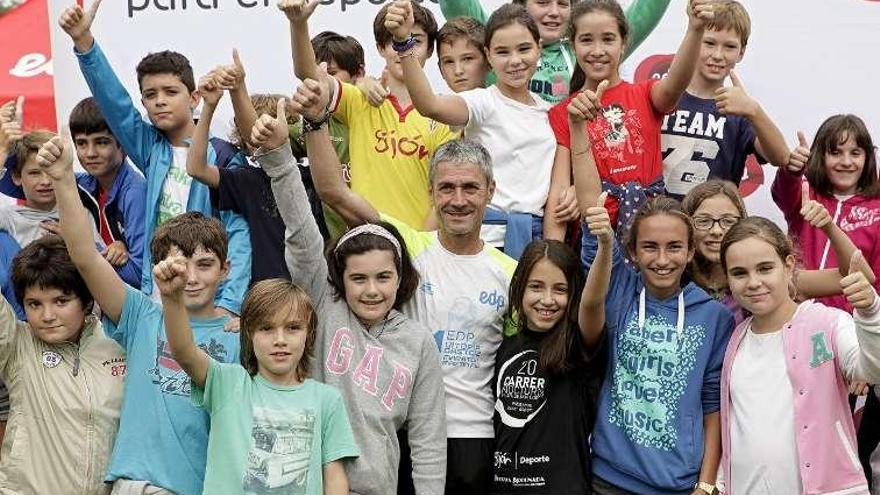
(209, 90)
(10, 123)
(271, 132)
(799, 156)
(858, 290)
(733, 100)
(297, 10)
(814, 212)
(77, 23)
(587, 105)
(598, 221)
(399, 19)
(376, 90)
(230, 76)
(312, 97)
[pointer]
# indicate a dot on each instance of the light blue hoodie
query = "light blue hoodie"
(151, 152)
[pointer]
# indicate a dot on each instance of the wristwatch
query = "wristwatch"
(706, 487)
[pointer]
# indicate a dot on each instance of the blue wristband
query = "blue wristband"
(403, 46)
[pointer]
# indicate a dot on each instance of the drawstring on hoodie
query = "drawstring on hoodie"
(679, 320)
(834, 220)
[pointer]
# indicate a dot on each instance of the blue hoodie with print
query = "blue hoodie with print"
(660, 382)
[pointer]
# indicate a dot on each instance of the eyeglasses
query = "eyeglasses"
(706, 223)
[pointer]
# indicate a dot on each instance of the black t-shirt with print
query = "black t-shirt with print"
(542, 422)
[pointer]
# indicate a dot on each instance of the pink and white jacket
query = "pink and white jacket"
(818, 370)
(858, 217)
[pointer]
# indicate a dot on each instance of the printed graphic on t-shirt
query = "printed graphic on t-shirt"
(617, 134)
(280, 453)
(649, 378)
(389, 143)
(457, 341)
(859, 217)
(690, 145)
(686, 161)
(520, 389)
(174, 195)
(168, 374)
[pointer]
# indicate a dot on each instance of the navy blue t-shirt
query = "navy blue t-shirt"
(699, 143)
(247, 190)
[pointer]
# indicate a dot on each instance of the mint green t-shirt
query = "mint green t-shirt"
(267, 438)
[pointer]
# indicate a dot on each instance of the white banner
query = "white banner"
(806, 59)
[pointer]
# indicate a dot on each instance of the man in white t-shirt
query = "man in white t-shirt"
(462, 298)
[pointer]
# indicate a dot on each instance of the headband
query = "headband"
(369, 228)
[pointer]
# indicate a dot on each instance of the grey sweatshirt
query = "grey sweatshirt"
(23, 223)
(389, 375)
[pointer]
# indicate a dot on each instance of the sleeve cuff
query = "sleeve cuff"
(275, 162)
(871, 314)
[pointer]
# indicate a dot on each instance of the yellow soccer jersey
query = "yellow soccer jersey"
(390, 149)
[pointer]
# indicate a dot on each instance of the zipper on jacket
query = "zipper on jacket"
(824, 259)
(90, 429)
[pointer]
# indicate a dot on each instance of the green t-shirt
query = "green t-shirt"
(266, 438)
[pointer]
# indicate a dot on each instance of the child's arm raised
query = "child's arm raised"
(591, 312)
(588, 186)
(298, 13)
(450, 110)
(10, 127)
(859, 354)
(819, 283)
(769, 142)
(169, 275)
(232, 79)
(557, 211)
(303, 242)
(818, 216)
(309, 100)
(197, 165)
(665, 94)
(786, 187)
(135, 135)
(56, 159)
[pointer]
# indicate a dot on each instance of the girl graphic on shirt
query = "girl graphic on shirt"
(625, 118)
(507, 118)
(785, 419)
(545, 384)
(841, 170)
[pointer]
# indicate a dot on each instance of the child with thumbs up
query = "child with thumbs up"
(714, 127)
(715, 206)
(785, 417)
(840, 173)
(624, 123)
(657, 429)
(158, 147)
(507, 118)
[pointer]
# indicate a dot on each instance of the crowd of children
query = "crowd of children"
(544, 280)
